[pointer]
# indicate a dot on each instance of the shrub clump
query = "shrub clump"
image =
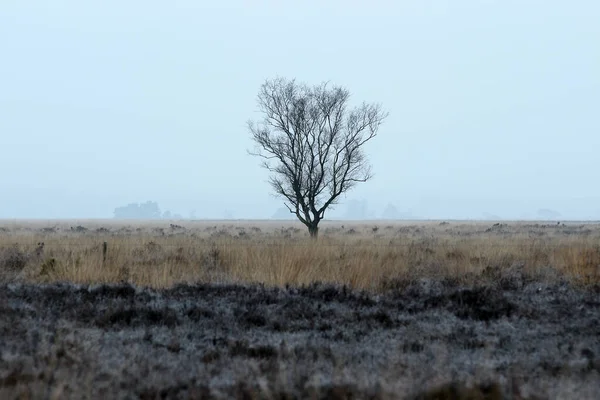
(12, 260)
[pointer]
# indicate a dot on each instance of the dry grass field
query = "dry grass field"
(368, 256)
(257, 310)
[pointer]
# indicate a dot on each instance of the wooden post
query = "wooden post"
(104, 251)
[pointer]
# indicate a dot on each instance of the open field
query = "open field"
(369, 256)
(409, 310)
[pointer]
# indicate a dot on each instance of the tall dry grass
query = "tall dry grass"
(369, 256)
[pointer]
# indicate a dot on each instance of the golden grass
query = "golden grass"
(368, 256)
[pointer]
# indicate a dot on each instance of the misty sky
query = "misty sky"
(494, 105)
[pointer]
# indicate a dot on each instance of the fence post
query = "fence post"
(104, 251)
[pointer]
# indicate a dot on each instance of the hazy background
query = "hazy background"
(494, 105)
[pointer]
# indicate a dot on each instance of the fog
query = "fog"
(494, 105)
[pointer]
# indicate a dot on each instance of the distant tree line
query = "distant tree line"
(147, 210)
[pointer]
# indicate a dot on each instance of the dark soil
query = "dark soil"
(426, 340)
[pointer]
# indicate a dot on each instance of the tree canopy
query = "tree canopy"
(311, 142)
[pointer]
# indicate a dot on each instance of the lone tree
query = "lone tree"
(312, 144)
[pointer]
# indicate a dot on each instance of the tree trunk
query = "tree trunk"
(313, 230)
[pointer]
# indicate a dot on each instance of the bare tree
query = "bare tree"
(311, 142)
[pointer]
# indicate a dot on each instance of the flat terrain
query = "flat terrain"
(364, 256)
(515, 340)
(380, 310)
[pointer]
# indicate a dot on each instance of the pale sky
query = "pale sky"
(494, 105)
